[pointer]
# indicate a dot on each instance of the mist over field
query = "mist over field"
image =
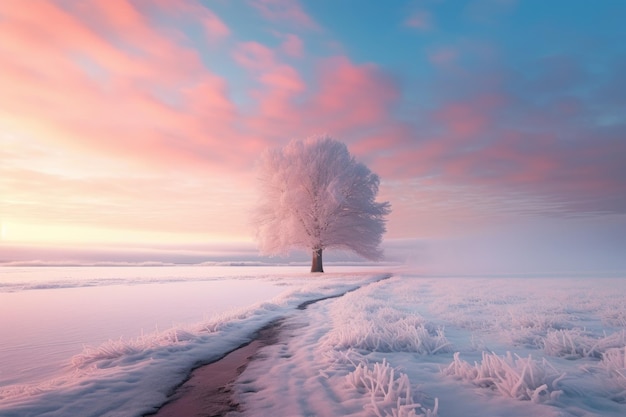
(512, 251)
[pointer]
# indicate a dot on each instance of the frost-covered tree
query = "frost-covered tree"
(315, 195)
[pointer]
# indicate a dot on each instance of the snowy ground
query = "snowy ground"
(404, 346)
(68, 347)
(412, 346)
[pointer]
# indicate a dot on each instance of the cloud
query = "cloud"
(351, 96)
(107, 79)
(342, 98)
(150, 105)
(215, 28)
(254, 55)
(292, 45)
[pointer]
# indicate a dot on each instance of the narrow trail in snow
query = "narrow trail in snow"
(207, 392)
(305, 304)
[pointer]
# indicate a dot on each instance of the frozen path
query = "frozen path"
(412, 346)
(208, 391)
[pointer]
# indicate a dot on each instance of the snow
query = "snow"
(483, 354)
(407, 345)
(89, 308)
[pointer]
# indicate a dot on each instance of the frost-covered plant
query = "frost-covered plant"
(401, 336)
(546, 320)
(115, 349)
(510, 375)
(569, 344)
(314, 195)
(614, 361)
(615, 317)
(110, 350)
(391, 394)
(373, 325)
(576, 343)
(526, 337)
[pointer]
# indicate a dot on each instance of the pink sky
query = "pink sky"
(139, 122)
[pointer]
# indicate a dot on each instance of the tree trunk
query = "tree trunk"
(316, 264)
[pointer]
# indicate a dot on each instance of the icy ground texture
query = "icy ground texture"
(415, 346)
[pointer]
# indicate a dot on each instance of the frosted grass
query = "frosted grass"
(510, 375)
(362, 321)
(391, 393)
(614, 362)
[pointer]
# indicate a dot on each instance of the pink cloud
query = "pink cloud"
(106, 79)
(352, 95)
(468, 119)
(153, 101)
(292, 45)
(344, 98)
(461, 120)
(283, 77)
(215, 28)
(277, 85)
(383, 141)
(280, 87)
(472, 142)
(289, 11)
(253, 55)
(192, 13)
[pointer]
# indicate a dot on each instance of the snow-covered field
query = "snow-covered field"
(414, 345)
(408, 345)
(113, 341)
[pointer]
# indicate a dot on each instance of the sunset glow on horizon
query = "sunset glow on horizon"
(496, 122)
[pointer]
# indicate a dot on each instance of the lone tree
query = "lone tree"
(314, 195)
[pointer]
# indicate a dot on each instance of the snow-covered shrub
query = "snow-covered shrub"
(614, 361)
(391, 394)
(510, 375)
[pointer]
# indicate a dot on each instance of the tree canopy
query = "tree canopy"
(315, 195)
